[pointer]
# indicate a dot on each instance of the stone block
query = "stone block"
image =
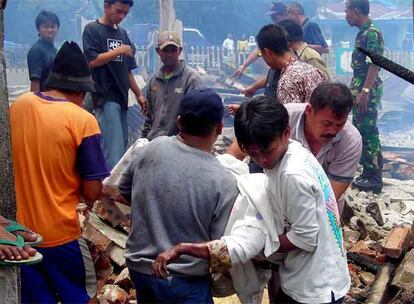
(108, 211)
(9, 289)
(397, 241)
(99, 240)
(113, 294)
(404, 275)
(357, 224)
(377, 210)
(103, 267)
(351, 236)
(377, 234)
(114, 235)
(116, 254)
(358, 294)
(366, 278)
(362, 255)
(124, 280)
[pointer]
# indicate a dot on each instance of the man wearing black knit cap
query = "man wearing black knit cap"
(179, 192)
(57, 160)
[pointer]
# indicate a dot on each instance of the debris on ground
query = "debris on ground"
(378, 235)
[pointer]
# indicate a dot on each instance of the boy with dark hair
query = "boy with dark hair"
(179, 192)
(297, 79)
(314, 268)
(301, 49)
(110, 54)
(42, 54)
(366, 87)
(57, 159)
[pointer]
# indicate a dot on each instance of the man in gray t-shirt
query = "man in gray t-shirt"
(179, 193)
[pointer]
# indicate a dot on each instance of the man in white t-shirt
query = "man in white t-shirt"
(314, 268)
(228, 45)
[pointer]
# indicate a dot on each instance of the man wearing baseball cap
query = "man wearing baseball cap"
(179, 192)
(277, 12)
(167, 87)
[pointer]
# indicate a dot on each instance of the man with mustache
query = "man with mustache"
(322, 127)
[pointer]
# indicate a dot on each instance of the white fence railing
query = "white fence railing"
(215, 59)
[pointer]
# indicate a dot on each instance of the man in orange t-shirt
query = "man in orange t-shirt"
(57, 159)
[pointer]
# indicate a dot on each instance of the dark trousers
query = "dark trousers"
(283, 298)
(182, 290)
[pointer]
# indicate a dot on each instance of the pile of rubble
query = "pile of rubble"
(378, 235)
(106, 231)
(377, 231)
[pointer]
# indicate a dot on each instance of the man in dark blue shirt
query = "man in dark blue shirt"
(42, 54)
(312, 34)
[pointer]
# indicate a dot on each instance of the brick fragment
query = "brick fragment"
(111, 294)
(404, 275)
(397, 242)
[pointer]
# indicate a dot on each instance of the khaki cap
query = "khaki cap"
(168, 38)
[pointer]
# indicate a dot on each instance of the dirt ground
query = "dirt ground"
(234, 300)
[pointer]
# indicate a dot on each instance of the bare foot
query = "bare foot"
(11, 252)
(28, 236)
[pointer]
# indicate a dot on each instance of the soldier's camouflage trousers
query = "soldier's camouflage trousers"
(366, 123)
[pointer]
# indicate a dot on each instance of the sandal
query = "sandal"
(16, 227)
(19, 242)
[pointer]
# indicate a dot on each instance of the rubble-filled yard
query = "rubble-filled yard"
(377, 231)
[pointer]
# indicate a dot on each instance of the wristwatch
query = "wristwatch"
(366, 90)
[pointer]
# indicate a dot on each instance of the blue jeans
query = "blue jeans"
(114, 128)
(66, 274)
(180, 290)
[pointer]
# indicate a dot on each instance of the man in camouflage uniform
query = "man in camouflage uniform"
(366, 87)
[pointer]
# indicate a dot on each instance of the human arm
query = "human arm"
(342, 168)
(339, 188)
(373, 43)
(107, 57)
(92, 168)
(249, 60)
(159, 267)
(251, 89)
(299, 198)
(137, 92)
(361, 102)
(125, 184)
(314, 38)
(90, 191)
(96, 51)
(148, 121)
(35, 61)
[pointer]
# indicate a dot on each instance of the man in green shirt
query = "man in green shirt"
(366, 87)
